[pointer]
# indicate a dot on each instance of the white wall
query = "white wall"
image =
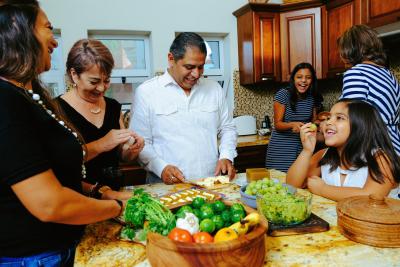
(162, 18)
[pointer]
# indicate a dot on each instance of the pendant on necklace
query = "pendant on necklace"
(96, 110)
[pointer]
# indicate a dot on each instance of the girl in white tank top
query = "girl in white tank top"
(360, 159)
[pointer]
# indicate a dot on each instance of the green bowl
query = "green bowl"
(290, 210)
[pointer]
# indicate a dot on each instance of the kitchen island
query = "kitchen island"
(100, 245)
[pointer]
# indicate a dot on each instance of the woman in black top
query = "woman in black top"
(43, 210)
(97, 117)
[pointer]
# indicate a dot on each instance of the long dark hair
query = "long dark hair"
(368, 139)
(360, 43)
(21, 52)
(86, 53)
(313, 87)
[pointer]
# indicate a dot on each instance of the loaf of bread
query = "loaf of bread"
(254, 174)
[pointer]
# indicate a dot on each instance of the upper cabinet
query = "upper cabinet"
(258, 45)
(380, 12)
(272, 39)
(301, 40)
(337, 17)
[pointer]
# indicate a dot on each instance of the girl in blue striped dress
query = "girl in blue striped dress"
(293, 106)
(368, 79)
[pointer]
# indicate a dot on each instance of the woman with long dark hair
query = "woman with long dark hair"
(293, 107)
(42, 206)
(360, 158)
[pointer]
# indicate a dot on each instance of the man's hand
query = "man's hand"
(225, 167)
(172, 175)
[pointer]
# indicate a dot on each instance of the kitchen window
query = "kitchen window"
(216, 60)
(54, 79)
(131, 54)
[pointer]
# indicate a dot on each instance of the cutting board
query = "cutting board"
(314, 224)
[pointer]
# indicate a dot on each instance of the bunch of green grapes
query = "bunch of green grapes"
(266, 187)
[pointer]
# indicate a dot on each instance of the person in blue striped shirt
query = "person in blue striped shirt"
(294, 106)
(369, 79)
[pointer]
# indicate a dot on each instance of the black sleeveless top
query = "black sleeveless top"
(32, 142)
(103, 168)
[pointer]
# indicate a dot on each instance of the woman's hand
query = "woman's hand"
(131, 151)
(296, 125)
(308, 137)
(111, 194)
(114, 138)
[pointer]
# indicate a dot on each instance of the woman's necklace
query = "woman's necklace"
(36, 98)
(95, 110)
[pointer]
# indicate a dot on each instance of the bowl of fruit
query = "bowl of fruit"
(217, 233)
(249, 192)
(284, 208)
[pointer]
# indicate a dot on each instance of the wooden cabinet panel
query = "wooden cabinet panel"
(258, 46)
(381, 12)
(250, 157)
(301, 40)
(336, 19)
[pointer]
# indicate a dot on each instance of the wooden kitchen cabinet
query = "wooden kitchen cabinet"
(250, 157)
(258, 45)
(337, 17)
(301, 40)
(380, 12)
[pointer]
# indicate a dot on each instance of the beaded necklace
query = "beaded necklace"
(36, 98)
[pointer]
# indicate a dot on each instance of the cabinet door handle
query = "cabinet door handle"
(339, 73)
(265, 79)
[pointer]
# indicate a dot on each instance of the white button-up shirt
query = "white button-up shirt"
(183, 130)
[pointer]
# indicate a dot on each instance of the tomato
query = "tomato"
(203, 237)
(207, 225)
(237, 206)
(182, 210)
(206, 212)
(226, 216)
(180, 235)
(198, 202)
(218, 221)
(237, 215)
(218, 206)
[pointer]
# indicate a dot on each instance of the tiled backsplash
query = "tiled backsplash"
(257, 100)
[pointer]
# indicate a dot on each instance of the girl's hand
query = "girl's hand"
(296, 125)
(308, 137)
(315, 184)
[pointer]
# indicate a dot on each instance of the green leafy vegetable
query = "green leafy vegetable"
(142, 207)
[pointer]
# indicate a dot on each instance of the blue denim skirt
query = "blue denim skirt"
(59, 258)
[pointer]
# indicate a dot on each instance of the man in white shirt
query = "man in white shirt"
(181, 117)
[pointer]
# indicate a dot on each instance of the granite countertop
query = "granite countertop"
(252, 140)
(100, 245)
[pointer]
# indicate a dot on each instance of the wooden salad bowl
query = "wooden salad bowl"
(248, 250)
